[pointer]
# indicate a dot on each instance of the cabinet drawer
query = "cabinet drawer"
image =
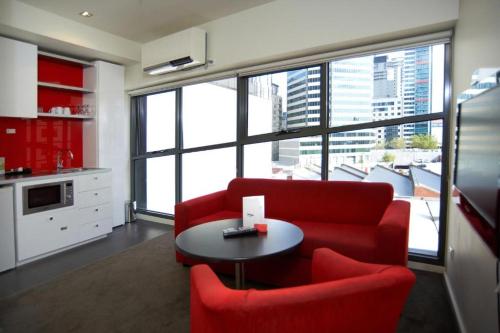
(94, 197)
(94, 229)
(39, 234)
(94, 181)
(95, 213)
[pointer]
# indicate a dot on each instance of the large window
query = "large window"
(375, 117)
(209, 113)
(286, 159)
(207, 171)
(284, 101)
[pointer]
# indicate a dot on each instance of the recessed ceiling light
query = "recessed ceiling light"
(86, 14)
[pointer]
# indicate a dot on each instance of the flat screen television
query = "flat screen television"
(477, 168)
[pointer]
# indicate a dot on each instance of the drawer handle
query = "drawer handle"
(97, 226)
(97, 209)
(96, 178)
(96, 194)
(51, 218)
(64, 228)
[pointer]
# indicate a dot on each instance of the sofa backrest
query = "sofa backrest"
(312, 200)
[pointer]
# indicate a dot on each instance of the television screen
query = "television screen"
(478, 155)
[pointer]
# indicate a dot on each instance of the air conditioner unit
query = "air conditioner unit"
(178, 51)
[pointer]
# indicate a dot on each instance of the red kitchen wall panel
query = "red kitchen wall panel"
(48, 98)
(37, 142)
(60, 72)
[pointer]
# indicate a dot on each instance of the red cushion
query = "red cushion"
(355, 241)
(321, 201)
(221, 215)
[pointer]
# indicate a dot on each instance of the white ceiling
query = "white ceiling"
(144, 20)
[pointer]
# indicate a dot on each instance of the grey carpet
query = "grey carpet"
(143, 289)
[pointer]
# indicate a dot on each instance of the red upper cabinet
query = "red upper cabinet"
(18, 83)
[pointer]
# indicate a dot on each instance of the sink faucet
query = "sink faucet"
(60, 155)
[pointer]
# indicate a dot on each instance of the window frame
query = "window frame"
(323, 130)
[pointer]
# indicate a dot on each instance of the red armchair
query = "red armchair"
(344, 296)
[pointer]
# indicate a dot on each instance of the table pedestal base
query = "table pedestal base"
(239, 275)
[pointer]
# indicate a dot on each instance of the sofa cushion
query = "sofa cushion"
(354, 241)
(311, 200)
(221, 215)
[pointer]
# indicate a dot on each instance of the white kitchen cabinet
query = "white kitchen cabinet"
(106, 138)
(94, 197)
(18, 81)
(7, 241)
(95, 207)
(47, 232)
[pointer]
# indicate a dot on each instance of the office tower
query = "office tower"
(417, 89)
(351, 103)
(387, 94)
(277, 121)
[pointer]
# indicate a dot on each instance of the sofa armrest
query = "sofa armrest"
(328, 265)
(196, 208)
(214, 307)
(392, 234)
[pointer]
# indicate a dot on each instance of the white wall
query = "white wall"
(471, 272)
(290, 28)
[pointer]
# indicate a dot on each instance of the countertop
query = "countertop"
(9, 180)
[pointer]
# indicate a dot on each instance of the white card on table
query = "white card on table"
(253, 210)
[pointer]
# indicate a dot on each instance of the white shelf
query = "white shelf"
(73, 116)
(64, 87)
(60, 57)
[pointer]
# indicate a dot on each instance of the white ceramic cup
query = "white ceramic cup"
(58, 110)
(67, 111)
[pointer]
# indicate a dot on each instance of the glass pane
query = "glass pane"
(404, 157)
(285, 159)
(284, 100)
(209, 113)
(207, 171)
(160, 121)
(155, 184)
(387, 85)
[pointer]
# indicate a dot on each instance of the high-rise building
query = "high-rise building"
(277, 119)
(387, 94)
(351, 103)
(417, 89)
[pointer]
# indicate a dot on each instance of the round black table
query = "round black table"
(205, 242)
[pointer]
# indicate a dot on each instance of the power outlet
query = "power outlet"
(451, 252)
(10, 131)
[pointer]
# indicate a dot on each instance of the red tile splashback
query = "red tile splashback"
(37, 142)
(60, 72)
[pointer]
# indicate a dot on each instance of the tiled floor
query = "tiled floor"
(44, 270)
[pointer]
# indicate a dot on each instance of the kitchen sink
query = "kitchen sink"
(70, 170)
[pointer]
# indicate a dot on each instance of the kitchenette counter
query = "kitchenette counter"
(9, 180)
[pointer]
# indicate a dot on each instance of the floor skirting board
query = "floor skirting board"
(453, 300)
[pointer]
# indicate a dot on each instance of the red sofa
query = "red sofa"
(343, 296)
(358, 219)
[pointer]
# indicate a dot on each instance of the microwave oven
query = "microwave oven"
(43, 197)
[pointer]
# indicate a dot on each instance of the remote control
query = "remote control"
(238, 232)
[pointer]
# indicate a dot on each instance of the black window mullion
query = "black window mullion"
(324, 119)
(242, 123)
(178, 145)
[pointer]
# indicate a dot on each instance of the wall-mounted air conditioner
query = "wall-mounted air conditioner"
(178, 51)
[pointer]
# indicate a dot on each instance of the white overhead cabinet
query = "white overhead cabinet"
(18, 80)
